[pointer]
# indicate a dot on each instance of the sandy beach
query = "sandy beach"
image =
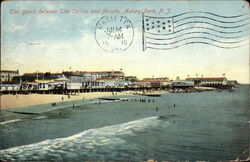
(21, 100)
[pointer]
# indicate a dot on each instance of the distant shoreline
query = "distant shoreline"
(9, 101)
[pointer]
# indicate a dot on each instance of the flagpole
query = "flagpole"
(143, 30)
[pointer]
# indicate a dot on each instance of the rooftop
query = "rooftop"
(106, 79)
(209, 78)
(10, 71)
(33, 74)
(100, 71)
(150, 81)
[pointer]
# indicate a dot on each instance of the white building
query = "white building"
(107, 82)
(73, 85)
(211, 81)
(61, 83)
(9, 87)
(94, 75)
(182, 83)
(162, 81)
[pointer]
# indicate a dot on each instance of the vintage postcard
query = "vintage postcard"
(124, 81)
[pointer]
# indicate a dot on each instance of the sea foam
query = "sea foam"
(82, 144)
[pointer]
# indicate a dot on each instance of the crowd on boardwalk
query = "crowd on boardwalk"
(77, 80)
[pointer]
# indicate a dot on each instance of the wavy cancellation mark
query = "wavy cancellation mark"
(164, 33)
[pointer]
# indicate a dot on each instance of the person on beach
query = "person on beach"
(62, 98)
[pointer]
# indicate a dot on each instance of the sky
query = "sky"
(58, 42)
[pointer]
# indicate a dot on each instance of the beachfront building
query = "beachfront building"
(31, 77)
(209, 81)
(108, 82)
(44, 85)
(145, 83)
(56, 84)
(49, 76)
(73, 76)
(74, 85)
(162, 79)
(156, 82)
(102, 83)
(232, 82)
(76, 80)
(182, 84)
(94, 79)
(131, 78)
(127, 83)
(42, 81)
(94, 75)
(9, 87)
(100, 79)
(7, 75)
(29, 86)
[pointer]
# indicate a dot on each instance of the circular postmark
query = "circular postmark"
(114, 33)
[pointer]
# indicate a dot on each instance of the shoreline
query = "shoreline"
(21, 100)
(10, 101)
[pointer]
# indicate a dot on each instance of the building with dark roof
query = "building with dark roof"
(7, 75)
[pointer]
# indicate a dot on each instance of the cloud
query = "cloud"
(88, 20)
(14, 28)
(46, 20)
(48, 6)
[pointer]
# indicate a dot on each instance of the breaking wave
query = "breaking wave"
(82, 145)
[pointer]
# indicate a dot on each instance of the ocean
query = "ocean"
(209, 125)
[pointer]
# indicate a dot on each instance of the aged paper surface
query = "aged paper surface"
(124, 80)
